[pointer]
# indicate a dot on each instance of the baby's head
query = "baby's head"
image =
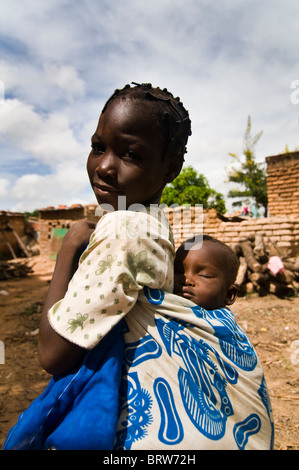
(138, 146)
(205, 270)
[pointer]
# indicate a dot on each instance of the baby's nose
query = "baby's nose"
(189, 279)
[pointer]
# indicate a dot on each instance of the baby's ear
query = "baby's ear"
(231, 295)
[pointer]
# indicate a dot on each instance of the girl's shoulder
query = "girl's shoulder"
(149, 222)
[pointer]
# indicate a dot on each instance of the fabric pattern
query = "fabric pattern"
(191, 380)
(127, 251)
(78, 410)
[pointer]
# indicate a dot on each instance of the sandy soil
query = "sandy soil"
(271, 323)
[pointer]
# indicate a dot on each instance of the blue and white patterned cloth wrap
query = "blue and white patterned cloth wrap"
(192, 381)
(189, 378)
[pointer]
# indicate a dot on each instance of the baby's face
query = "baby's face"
(199, 276)
(127, 156)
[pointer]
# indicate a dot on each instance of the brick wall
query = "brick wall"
(280, 232)
(283, 184)
(280, 228)
(53, 219)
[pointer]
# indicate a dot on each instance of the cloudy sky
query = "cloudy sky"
(61, 59)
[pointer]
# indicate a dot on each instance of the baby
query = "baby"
(205, 274)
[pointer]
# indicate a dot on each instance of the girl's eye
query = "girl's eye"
(131, 155)
(97, 148)
(208, 276)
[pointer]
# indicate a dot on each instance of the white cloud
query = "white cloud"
(61, 60)
(66, 78)
(4, 185)
(47, 137)
(32, 191)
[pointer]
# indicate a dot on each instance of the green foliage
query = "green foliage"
(250, 175)
(287, 150)
(192, 188)
(35, 213)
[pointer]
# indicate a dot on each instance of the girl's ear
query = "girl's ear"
(231, 295)
(174, 169)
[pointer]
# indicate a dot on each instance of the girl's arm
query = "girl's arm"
(121, 259)
(56, 354)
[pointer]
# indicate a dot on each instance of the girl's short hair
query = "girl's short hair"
(172, 117)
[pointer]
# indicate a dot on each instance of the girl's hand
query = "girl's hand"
(77, 237)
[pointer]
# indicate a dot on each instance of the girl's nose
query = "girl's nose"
(107, 165)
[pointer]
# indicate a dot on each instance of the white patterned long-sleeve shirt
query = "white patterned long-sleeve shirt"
(127, 251)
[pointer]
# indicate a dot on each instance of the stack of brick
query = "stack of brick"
(283, 184)
(280, 235)
(52, 219)
(281, 232)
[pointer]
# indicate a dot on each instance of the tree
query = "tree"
(34, 213)
(287, 150)
(192, 188)
(250, 174)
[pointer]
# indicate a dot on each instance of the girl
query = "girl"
(137, 148)
(135, 366)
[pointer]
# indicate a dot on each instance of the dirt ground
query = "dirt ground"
(271, 324)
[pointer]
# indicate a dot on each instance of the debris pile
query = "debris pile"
(14, 268)
(263, 271)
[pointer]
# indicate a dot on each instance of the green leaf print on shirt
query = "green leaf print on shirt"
(131, 228)
(141, 266)
(127, 281)
(103, 265)
(77, 322)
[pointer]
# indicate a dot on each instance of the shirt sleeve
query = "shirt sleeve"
(127, 251)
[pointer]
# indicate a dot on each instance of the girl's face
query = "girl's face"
(128, 156)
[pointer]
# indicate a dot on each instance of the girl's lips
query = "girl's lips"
(102, 189)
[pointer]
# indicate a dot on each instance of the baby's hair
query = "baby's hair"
(174, 118)
(231, 260)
